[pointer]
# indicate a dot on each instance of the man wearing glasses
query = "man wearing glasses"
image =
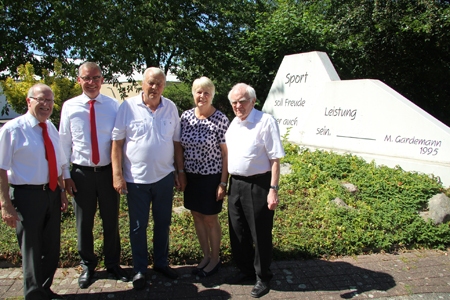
(85, 130)
(31, 190)
(254, 152)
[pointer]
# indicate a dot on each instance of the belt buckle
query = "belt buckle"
(97, 169)
(44, 187)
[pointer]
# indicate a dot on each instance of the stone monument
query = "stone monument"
(363, 117)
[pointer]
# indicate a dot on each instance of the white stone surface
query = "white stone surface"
(363, 117)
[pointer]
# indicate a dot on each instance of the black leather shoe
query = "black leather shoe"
(203, 273)
(260, 289)
(139, 281)
(85, 278)
(167, 271)
(239, 278)
(118, 273)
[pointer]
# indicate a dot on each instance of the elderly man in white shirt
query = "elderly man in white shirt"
(143, 157)
(31, 161)
(254, 152)
(86, 120)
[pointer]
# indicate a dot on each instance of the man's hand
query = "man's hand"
(64, 201)
(177, 181)
(9, 215)
(272, 199)
(182, 181)
(120, 184)
(70, 187)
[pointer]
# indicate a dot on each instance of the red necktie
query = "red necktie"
(51, 158)
(94, 141)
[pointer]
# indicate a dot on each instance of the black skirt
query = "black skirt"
(201, 192)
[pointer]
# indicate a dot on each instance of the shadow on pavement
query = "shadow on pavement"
(291, 279)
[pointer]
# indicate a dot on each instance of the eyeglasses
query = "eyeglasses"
(42, 100)
(241, 102)
(93, 78)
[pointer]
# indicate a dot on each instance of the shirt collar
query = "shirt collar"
(32, 119)
(86, 99)
(250, 118)
(139, 101)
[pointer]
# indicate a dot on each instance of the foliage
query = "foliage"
(30, 27)
(383, 214)
(404, 43)
(282, 28)
(181, 94)
(16, 90)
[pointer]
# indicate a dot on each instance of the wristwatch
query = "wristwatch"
(224, 184)
(275, 187)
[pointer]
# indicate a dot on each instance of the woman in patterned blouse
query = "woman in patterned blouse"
(205, 167)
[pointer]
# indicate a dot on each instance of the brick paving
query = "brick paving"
(408, 275)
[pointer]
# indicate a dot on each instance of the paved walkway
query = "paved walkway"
(409, 275)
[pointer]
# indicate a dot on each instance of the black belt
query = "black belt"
(92, 169)
(42, 187)
(249, 177)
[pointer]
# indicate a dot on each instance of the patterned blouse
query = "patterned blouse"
(201, 139)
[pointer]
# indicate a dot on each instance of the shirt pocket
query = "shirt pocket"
(167, 128)
(137, 129)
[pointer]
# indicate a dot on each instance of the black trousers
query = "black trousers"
(96, 187)
(38, 234)
(251, 224)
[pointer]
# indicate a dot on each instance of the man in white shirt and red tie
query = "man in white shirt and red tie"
(254, 152)
(31, 162)
(85, 131)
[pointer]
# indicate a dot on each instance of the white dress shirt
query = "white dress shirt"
(148, 152)
(22, 150)
(252, 143)
(75, 130)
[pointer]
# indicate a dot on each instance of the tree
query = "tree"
(134, 34)
(63, 88)
(31, 27)
(124, 36)
(404, 43)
